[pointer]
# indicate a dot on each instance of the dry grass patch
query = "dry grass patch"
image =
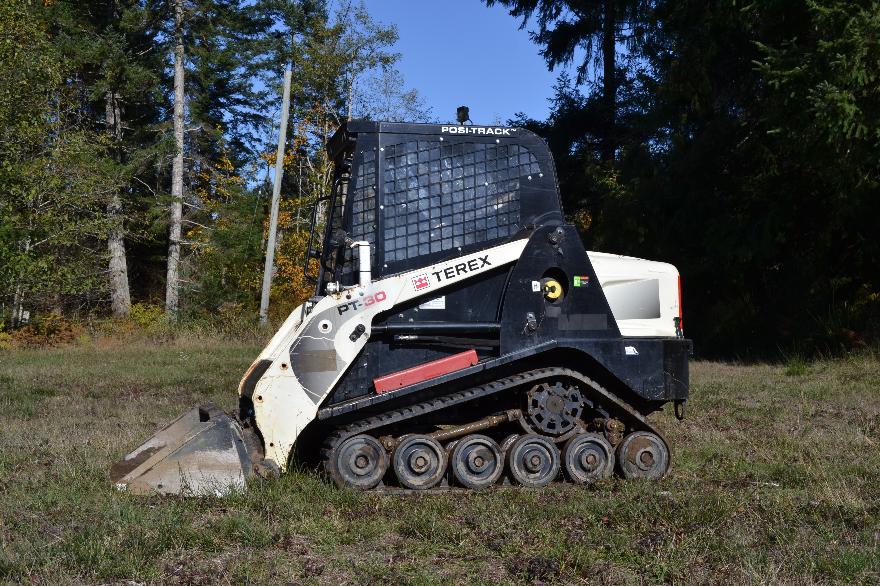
(776, 478)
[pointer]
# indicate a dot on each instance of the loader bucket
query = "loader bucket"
(204, 452)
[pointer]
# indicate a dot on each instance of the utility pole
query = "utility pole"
(276, 196)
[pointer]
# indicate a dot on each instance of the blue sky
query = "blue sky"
(459, 52)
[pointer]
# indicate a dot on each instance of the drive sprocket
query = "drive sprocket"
(554, 409)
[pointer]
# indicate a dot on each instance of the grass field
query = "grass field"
(776, 479)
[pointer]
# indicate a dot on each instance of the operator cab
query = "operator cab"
(423, 193)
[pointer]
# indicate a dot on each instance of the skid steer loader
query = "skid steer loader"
(460, 335)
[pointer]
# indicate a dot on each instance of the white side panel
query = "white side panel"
(283, 337)
(643, 294)
(321, 348)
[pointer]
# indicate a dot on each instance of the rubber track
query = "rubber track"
(532, 376)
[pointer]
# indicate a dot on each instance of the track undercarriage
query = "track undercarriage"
(528, 429)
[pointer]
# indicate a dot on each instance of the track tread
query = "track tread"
(412, 411)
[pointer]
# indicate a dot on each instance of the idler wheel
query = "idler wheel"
(588, 457)
(477, 462)
(643, 455)
(359, 462)
(533, 461)
(419, 462)
(553, 409)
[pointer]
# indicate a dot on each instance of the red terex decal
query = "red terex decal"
(426, 371)
(421, 281)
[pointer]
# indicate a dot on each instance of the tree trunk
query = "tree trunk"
(609, 80)
(120, 297)
(173, 275)
(18, 300)
(16, 305)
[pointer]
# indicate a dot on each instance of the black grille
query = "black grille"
(363, 216)
(439, 197)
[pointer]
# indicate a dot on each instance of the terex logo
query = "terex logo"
(461, 268)
(477, 130)
(421, 282)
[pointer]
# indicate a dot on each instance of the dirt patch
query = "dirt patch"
(535, 568)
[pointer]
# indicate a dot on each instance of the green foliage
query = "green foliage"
(748, 158)
(753, 136)
(148, 317)
(55, 173)
(85, 100)
(232, 44)
(227, 260)
(796, 366)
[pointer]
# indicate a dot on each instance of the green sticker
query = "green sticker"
(581, 281)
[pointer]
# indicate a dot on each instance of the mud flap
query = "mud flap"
(204, 452)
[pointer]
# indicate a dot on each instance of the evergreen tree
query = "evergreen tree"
(595, 28)
(748, 157)
(56, 175)
(110, 54)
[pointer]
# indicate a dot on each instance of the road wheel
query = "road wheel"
(642, 454)
(588, 457)
(477, 462)
(533, 461)
(419, 462)
(359, 462)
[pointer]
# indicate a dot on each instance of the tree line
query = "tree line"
(137, 138)
(737, 140)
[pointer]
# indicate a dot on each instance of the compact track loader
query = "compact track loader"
(459, 336)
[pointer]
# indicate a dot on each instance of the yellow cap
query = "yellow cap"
(552, 289)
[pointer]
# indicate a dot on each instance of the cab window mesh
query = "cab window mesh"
(363, 209)
(438, 197)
